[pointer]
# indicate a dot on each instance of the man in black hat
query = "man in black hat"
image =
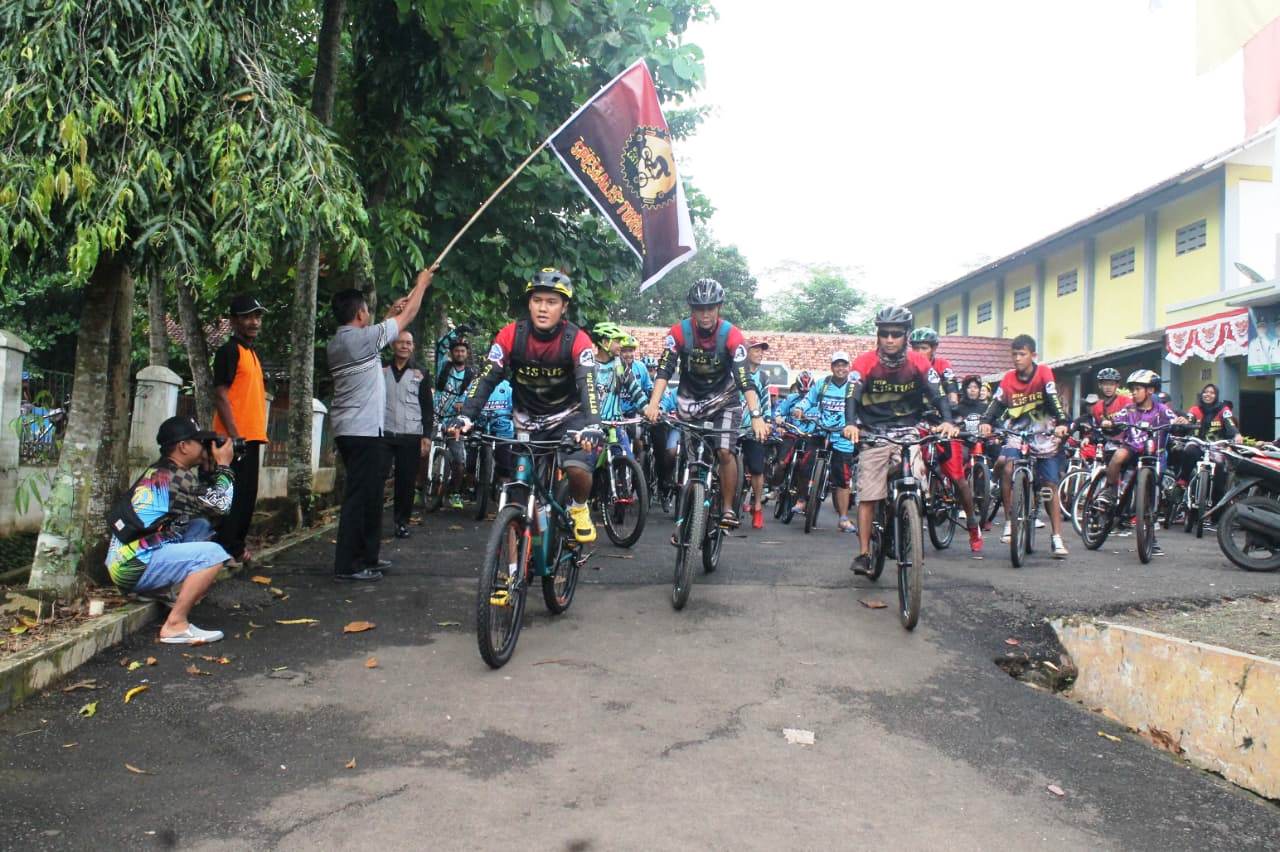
(240, 413)
(160, 548)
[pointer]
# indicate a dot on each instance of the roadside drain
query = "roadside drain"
(1050, 675)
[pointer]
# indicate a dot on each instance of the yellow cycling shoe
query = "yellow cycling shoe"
(584, 531)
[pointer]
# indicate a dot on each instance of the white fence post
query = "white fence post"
(13, 352)
(154, 401)
(318, 412)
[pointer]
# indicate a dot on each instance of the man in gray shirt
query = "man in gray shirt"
(359, 401)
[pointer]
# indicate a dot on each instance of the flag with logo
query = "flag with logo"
(618, 148)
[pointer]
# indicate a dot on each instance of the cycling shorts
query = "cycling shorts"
(753, 456)
(841, 468)
(874, 466)
(1048, 469)
(952, 461)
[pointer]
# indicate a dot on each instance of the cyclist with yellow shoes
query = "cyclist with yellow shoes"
(551, 365)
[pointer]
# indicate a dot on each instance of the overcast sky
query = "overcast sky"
(917, 139)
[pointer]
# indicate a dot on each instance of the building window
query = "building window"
(1122, 263)
(953, 324)
(984, 312)
(1022, 298)
(1067, 282)
(1190, 237)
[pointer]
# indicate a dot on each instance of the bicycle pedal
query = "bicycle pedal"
(500, 598)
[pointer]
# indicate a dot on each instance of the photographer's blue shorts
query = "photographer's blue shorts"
(172, 563)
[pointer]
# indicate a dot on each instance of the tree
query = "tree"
(825, 302)
(664, 303)
(141, 136)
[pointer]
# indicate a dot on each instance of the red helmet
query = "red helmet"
(804, 380)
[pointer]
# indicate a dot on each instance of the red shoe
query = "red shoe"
(975, 540)
(757, 519)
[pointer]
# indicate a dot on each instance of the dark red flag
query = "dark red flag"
(618, 148)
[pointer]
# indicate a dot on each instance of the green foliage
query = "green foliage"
(163, 131)
(825, 303)
(664, 303)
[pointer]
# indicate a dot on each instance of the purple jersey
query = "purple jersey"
(1136, 439)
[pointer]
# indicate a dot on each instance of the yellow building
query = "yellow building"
(1160, 280)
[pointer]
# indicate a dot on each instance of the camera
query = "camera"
(237, 446)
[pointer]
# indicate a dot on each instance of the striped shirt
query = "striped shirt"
(359, 391)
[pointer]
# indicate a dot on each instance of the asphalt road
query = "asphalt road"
(624, 724)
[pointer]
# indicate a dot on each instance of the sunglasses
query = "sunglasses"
(891, 335)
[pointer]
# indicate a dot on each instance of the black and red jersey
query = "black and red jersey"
(709, 362)
(1105, 408)
(884, 396)
(1030, 403)
(1214, 424)
(550, 372)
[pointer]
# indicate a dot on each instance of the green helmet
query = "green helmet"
(924, 334)
(604, 331)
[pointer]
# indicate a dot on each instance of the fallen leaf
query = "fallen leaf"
(19, 629)
(260, 580)
(135, 665)
(1164, 740)
(351, 764)
(193, 669)
(29, 621)
(1107, 736)
(371, 663)
(1055, 790)
(151, 661)
(448, 624)
(91, 683)
(70, 745)
(89, 709)
(795, 736)
(455, 526)
(359, 627)
(128, 696)
(136, 771)
(296, 621)
(251, 624)
(278, 593)
(872, 604)
(1012, 641)
(279, 668)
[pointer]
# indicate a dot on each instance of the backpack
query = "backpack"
(687, 332)
(123, 522)
(568, 335)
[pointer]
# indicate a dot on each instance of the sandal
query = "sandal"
(192, 636)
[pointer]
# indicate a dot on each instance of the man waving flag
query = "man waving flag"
(618, 148)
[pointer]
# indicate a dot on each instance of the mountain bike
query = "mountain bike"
(439, 472)
(792, 475)
(898, 527)
(1198, 496)
(480, 458)
(699, 506)
(619, 491)
(980, 481)
(941, 501)
(820, 476)
(1142, 490)
(1025, 500)
(531, 537)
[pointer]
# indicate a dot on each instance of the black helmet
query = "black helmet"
(705, 293)
(1108, 374)
(895, 315)
(550, 279)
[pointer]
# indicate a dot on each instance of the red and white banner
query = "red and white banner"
(1208, 338)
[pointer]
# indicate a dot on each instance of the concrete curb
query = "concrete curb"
(1218, 708)
(25, 674)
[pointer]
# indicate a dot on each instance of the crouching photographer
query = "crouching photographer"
(160, 527)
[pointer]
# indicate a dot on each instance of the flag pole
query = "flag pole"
(489, 200)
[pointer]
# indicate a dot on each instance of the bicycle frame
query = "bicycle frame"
(536, 478)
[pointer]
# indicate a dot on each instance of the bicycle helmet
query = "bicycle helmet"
(706, 293)
(551, 279)
(604, 331)
(1108, 374)
(805, 381)
(924, 334)
(651, 361)
(629, 342)
(1144, 377)
(895, 315)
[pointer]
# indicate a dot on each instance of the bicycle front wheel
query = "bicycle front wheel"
(437, 482)
(691, 519)
(910, 563)
(626, 511)
(1019, 516)
(980, 477)
(814, 503)
(1095, 520)
(1144, 510)
(1204, 488)
(501, 593)
(941, 518)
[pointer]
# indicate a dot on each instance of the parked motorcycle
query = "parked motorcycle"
(1249, 519)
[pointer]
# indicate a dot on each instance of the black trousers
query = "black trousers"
(235, 525)
(403, 453)
(360, 523)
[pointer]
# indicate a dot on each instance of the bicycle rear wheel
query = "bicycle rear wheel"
(437, 482)
(500, 596)
(941, 517)
(813, 505)
(1019, 516)
(484, 482)
(1144, 510)
(691, 518)
(910, 563)
(559, 586)
(1191, 504)
(881, 536)
(980, 478)
(626, 512)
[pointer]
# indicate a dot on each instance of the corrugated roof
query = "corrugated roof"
(1201, 168)
(979, 355)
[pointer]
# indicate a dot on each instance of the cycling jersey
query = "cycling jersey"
(710, 363)
(1214, 423)
(758, 380)
(614, 384)
(883, 397)
(968, 413)
(667, 404)
(451, 389)
(551, 373)
(827, 397)
(1104, 408)
(641, 372)
(1027, 404)
(1158, 414)
(495, 417)
(946, 374)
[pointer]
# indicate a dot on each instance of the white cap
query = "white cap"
(840, 355)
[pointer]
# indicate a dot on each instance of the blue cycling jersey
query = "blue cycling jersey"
(828, 399)
(646, 384)
(766, 402)
(495, 416)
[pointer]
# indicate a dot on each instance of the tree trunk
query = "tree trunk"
(197, 353)
(93, 464)
(157, 335)
(303, 341)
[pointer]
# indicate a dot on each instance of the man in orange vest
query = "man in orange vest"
(240, 412)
